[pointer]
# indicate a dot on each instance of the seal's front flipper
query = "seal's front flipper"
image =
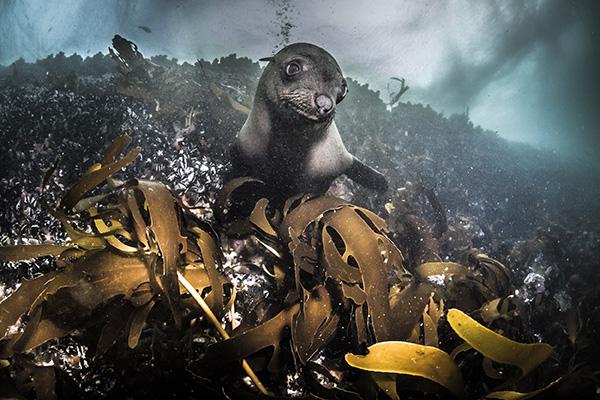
(366, 176)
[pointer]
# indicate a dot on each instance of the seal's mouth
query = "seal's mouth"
(303, 103)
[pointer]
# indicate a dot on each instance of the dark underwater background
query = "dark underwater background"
(535, 209)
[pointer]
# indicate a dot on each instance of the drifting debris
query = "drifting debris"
(395, 96)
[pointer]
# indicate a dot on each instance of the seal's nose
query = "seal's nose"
(324, 104)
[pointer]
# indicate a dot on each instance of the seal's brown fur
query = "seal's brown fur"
(290, 140)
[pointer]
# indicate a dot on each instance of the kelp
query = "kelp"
(93, 178)
(431, 319)
(343, 287)
(478, 280)
(421, 245)
(269, 334)
(315, 325)
(17, 253)
(88, 283)
(129, 264)
(428, 362)
(512, 395)
(406, 358)
(355, 253)
(497, 347)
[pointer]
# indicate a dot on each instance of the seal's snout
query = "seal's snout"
(324, 105)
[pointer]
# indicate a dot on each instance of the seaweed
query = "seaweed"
(137, 257)
(348, 293)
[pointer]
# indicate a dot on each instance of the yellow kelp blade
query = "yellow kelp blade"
(259, 219)
(115, 148)
(116, 227)
(407, 358)
(25, 252)
(90, 180)
(497, 347)
(510, 395)
(20, 301)
(387, 383)
(428, 269)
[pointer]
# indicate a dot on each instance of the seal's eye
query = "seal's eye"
(292, 68)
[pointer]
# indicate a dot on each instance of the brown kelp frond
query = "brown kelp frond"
(406, 358)
(497, 347)
(347, 299)
(435, 365)
(136, 248)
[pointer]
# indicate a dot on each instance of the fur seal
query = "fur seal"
(290, 140)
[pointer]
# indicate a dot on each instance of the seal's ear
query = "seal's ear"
(266, 59)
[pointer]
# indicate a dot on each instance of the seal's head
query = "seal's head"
(303, 83)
